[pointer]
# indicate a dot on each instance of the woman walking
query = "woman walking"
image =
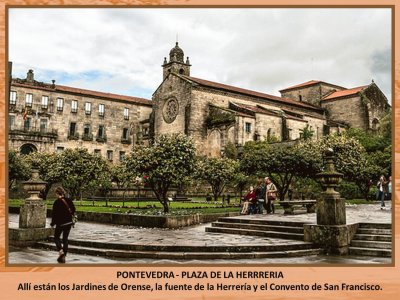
(63, 210)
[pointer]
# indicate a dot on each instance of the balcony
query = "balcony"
(32, 131)
(73, 136)
(126, 141)
(87, 137)
(101, 139)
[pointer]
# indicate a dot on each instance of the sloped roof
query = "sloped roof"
(345, 93)
(255, 109)
(235, 89)
(308, 83)
(84, 92)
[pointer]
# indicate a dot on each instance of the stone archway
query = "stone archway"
(27, 149)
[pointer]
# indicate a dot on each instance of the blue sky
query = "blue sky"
(121, 50)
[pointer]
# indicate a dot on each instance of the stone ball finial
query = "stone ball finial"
(328, 152)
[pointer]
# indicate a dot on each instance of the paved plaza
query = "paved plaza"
(196, 236)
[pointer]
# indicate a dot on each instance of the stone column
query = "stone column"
(331, 231)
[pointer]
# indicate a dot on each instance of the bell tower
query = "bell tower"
(176, 63)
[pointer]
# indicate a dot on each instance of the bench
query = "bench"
(288, 206)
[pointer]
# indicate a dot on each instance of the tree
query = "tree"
(279, 162)
(217, 172)
(78, 170)
(167, 162)
(18, 168)
(45, 162)
(123, 177)
(306, 133)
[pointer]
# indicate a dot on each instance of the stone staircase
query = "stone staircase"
(372, 239)
(257, 227)
(183, 252)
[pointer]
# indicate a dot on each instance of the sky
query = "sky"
(121, 50)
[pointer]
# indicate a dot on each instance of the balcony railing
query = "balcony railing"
(32, 130)
(73, 136)
(101, 139)
(87, 137)
(127, 141)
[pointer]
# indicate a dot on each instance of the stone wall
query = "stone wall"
(310, 93)
(349, 110)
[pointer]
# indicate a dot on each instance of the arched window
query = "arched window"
(375, 124)
(27, 149)
(181, 71)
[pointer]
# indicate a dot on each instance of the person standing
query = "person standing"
(381, 190)
(389, 188)
(271, 195)
(63, 210)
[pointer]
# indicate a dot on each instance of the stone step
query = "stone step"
(261, 221)
(272, 234)
(124, 254)
(375, 225)
(377, 231)
(370, 252)
(258, 227)
(373, 237)
(371, 244)
(185, 248)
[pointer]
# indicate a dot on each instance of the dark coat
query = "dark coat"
(61, 215)
(260, 191)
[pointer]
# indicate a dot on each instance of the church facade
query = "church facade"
(50, 117)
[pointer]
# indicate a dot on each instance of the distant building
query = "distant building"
(51, 117)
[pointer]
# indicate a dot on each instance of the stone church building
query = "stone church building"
(51, 117)
(215, 114)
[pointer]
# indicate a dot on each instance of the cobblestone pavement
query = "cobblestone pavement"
(196, 236)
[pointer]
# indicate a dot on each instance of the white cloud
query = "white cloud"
(260, 49)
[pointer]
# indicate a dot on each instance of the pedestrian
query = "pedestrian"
(248, 200)
(63, 211)
(271, 192)
(381, 190)
(389, 188)
(260, 194)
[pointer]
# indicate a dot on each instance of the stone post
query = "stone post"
(331, 231)
(32, 216)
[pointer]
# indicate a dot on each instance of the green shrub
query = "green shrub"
(349, 190)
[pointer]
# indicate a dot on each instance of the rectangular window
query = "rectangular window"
(121, 155)
(88, 108)
(110, 155)
(13, 97)
(11, 121)
(43, 125)
(125, 134)
(74, 106)
(86, 129)
(97, 152)
(101, 110)
(28, 100)
(45, 102)
(126, 113)
(27, 123)
(60, 149)
(60, 104)
(72, 129)
(248, 127)
(100, 132)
